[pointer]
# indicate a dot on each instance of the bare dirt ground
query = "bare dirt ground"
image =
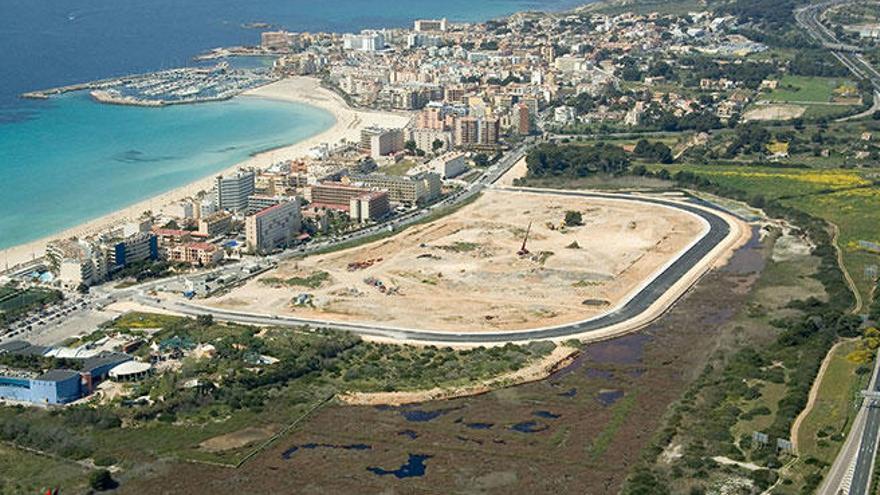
(774, 112)
(463, 273)
(237, 439)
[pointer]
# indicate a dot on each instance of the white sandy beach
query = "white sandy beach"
(348, 125)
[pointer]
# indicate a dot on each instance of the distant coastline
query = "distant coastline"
(303, 90)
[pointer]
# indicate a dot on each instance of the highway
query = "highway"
(808, 18)
(853, 468)
(717, 230)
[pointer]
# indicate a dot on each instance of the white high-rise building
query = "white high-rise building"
(231, 191)
(367, 41)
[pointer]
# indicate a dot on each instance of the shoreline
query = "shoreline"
(303, 90)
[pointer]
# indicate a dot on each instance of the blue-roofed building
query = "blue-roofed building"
(54, 387)
(15, 388)
(57, 387)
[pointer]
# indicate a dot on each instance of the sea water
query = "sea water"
(81, 160)
(68, 160)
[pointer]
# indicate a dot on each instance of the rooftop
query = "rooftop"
(57, 375)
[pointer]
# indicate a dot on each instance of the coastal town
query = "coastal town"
(502, 196)
(469, 93)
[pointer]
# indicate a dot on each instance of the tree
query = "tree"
(657, 152)
(576, 161)
(204, 320)
(410, 146)
(437, 145)
(101, 480)
(573, 218)
(481, 160)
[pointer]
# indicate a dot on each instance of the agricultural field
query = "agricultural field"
(811, 90)
(466, 269)
(847, 198)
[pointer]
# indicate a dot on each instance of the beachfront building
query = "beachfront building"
(132, 249)
(414, 189)
(215, 224)
(422, 25)
(76, 263)
(370, 206)
(279, 40)
(379, 142)
(273, 228)
(231, 192)
(368, 40)
(182, 209)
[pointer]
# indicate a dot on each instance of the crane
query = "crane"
(523, 250)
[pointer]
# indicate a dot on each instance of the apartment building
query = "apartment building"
(274, 227)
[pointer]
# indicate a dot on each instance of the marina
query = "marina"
(169, 87)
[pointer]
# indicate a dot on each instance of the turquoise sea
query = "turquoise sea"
(68, 160)
(81, 160)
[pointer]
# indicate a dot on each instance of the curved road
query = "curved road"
(718, 230)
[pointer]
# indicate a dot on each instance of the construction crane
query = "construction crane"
(523, 251)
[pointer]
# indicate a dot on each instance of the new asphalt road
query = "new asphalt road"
(649, 294)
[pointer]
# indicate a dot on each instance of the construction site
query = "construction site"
(509, 261)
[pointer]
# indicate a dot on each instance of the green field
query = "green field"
(857, 214)
(823, 429)
(399, 168)
(806, 89)
(841, 196)
(24, 472)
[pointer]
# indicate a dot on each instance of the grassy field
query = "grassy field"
(399, 168)
(857, 213)
(774, 182)
(823, 429)
(23, 472)
(843, 197)
(817, 112)
(806, 89)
